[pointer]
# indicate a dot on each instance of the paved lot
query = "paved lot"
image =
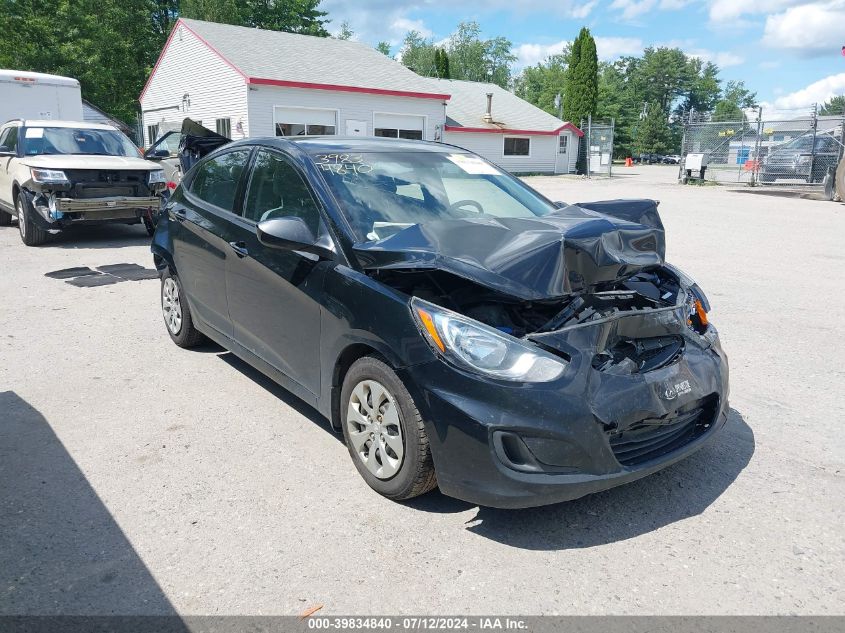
(136, 477)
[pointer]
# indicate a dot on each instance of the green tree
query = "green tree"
(418, 54)
(292, 16)
(581, 90)
(653, 134)
(221, 11)
(835, 106)
(441, 63)
(346, 32)
(542, 83)
(383, 48)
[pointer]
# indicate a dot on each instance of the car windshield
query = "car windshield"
(68, 140)
(381, 193)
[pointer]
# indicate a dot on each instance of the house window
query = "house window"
(301, 129)
(517, 146)
(152, 134)
(564, 142)
(224, 127)
(412, 135)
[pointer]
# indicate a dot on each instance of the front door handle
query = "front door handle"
(239, 248)
(179, 214)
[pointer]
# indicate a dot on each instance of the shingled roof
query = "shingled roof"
(305, 61)
(465, 111)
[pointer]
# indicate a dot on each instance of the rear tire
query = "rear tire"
(5, 218)
(379, 416)
(176, 313)
(31, 234)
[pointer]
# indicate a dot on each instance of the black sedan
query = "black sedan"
(457, 327)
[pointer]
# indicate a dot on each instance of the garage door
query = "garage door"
(409, 126)
(301, 121)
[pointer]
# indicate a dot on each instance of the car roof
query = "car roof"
(315, 144)
(81, 125)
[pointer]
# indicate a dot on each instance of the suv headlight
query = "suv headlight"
(48, 176)
(157, 177)
(480, 348)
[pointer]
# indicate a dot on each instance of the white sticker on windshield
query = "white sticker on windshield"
(472, 164)
(34, 132)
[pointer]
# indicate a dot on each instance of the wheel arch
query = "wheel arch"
(345, 360)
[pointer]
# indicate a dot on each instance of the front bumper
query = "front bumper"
(569, 422)
(54, 213)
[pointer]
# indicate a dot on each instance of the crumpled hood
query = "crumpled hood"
(531, 258)
(88, 161)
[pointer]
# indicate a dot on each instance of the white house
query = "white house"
(243, 82)
(509, 131)
(251, 82)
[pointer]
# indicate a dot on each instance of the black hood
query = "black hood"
(570, 250)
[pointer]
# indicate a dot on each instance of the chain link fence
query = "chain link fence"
(598, 141)
(778, 151)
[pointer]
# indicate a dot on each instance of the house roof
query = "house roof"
(465, 111)
(93, 114)
(304, 61)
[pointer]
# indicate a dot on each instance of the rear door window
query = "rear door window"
(216, 180)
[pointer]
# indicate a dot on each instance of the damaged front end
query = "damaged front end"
(91, 196)
(607, 368)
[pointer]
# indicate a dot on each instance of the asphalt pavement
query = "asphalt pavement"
(140, 478)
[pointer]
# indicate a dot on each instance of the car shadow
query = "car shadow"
(295, 403)
(61, 551)
(105, 236)
(681, 491)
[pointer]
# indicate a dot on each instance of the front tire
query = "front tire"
(176, 313)
(384, 432)
(31, 234)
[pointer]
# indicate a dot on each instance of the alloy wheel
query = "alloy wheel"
(374, 428)
(171, 307)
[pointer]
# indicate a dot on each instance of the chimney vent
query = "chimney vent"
(488, 116)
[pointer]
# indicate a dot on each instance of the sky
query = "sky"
(788, 51)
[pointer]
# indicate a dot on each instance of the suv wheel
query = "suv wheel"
(31, 234)
(176, 313)
(384, 432)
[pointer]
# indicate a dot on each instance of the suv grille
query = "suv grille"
(654, 437)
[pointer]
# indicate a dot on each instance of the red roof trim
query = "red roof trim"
(175, 28)
(338, 88)
(483, 130)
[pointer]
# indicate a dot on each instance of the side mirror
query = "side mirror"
(293, 234)
(159, 153)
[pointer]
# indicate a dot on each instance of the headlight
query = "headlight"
(157, 177)
(483, 349)
(48, 176)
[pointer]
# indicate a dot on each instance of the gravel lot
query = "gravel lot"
(136, 477)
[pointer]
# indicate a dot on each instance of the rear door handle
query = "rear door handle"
(239, 248)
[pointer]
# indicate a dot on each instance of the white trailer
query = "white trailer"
(27, 95)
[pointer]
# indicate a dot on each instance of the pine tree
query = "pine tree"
(582, 79)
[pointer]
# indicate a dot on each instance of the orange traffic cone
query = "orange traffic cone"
(629, 162)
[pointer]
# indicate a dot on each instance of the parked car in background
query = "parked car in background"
(57, 173)
(802, 158)
(191, 138)
(673, 159)
(457, 327)
(648, 159)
